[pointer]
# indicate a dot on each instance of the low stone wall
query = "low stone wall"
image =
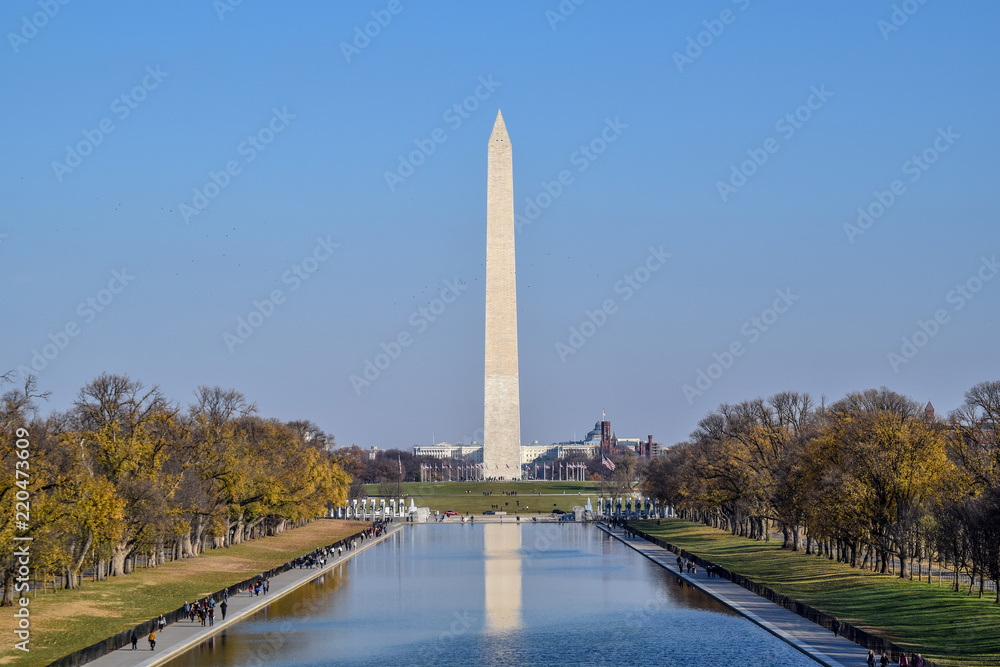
(848, 631)
(124, 638)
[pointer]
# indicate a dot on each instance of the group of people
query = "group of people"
(204, 610)
(159, 623)
(378, 529)
(884, 661)
(258, 586)
(321, 556)
(684, 564)
(619, 522)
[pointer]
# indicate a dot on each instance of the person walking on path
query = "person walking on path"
(835, 626)
(884, 661)
(871, 658)
(222, 608)
(211, 615)
(161, 622)
(918, 660)
(135, 640)
(152, 640)
(902, 660)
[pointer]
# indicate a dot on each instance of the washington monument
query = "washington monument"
(502, 418)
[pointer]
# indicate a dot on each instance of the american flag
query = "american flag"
(608, 463)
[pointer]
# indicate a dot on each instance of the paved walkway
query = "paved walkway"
(813, 640)
(182, 635)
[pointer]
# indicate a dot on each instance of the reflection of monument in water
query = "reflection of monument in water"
(502, 552)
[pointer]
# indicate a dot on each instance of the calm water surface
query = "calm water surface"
(529, 594)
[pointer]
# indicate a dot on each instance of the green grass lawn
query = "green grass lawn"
(65, 621)
(467, 497)
(950, 628)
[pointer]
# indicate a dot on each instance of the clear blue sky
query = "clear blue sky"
(345, 115)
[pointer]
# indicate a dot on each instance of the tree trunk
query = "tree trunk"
(118, 556)
(187, 551)
(73, 572)
(8, 588)
(197, 535)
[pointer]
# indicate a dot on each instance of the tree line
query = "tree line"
(873, 480)
(125, 475)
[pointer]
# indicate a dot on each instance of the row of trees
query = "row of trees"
(126, 474)
(873, 479)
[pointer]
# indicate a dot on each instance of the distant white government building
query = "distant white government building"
(446, 450)
(529, 453)
(599, 440)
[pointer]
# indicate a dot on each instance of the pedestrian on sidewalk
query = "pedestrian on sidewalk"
(918, 660)
(871, 658)
(884, 660)
(835, 626)
(223, 607)
(902, 660)
(152, 640)
(162, 622)
(135, 640)
(211, 615)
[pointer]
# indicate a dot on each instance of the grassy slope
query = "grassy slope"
(65, 621)
(443, 496)
(948, 627)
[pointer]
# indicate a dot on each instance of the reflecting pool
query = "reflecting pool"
(495, 594)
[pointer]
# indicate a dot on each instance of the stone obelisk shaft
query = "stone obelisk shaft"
(502, 418)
